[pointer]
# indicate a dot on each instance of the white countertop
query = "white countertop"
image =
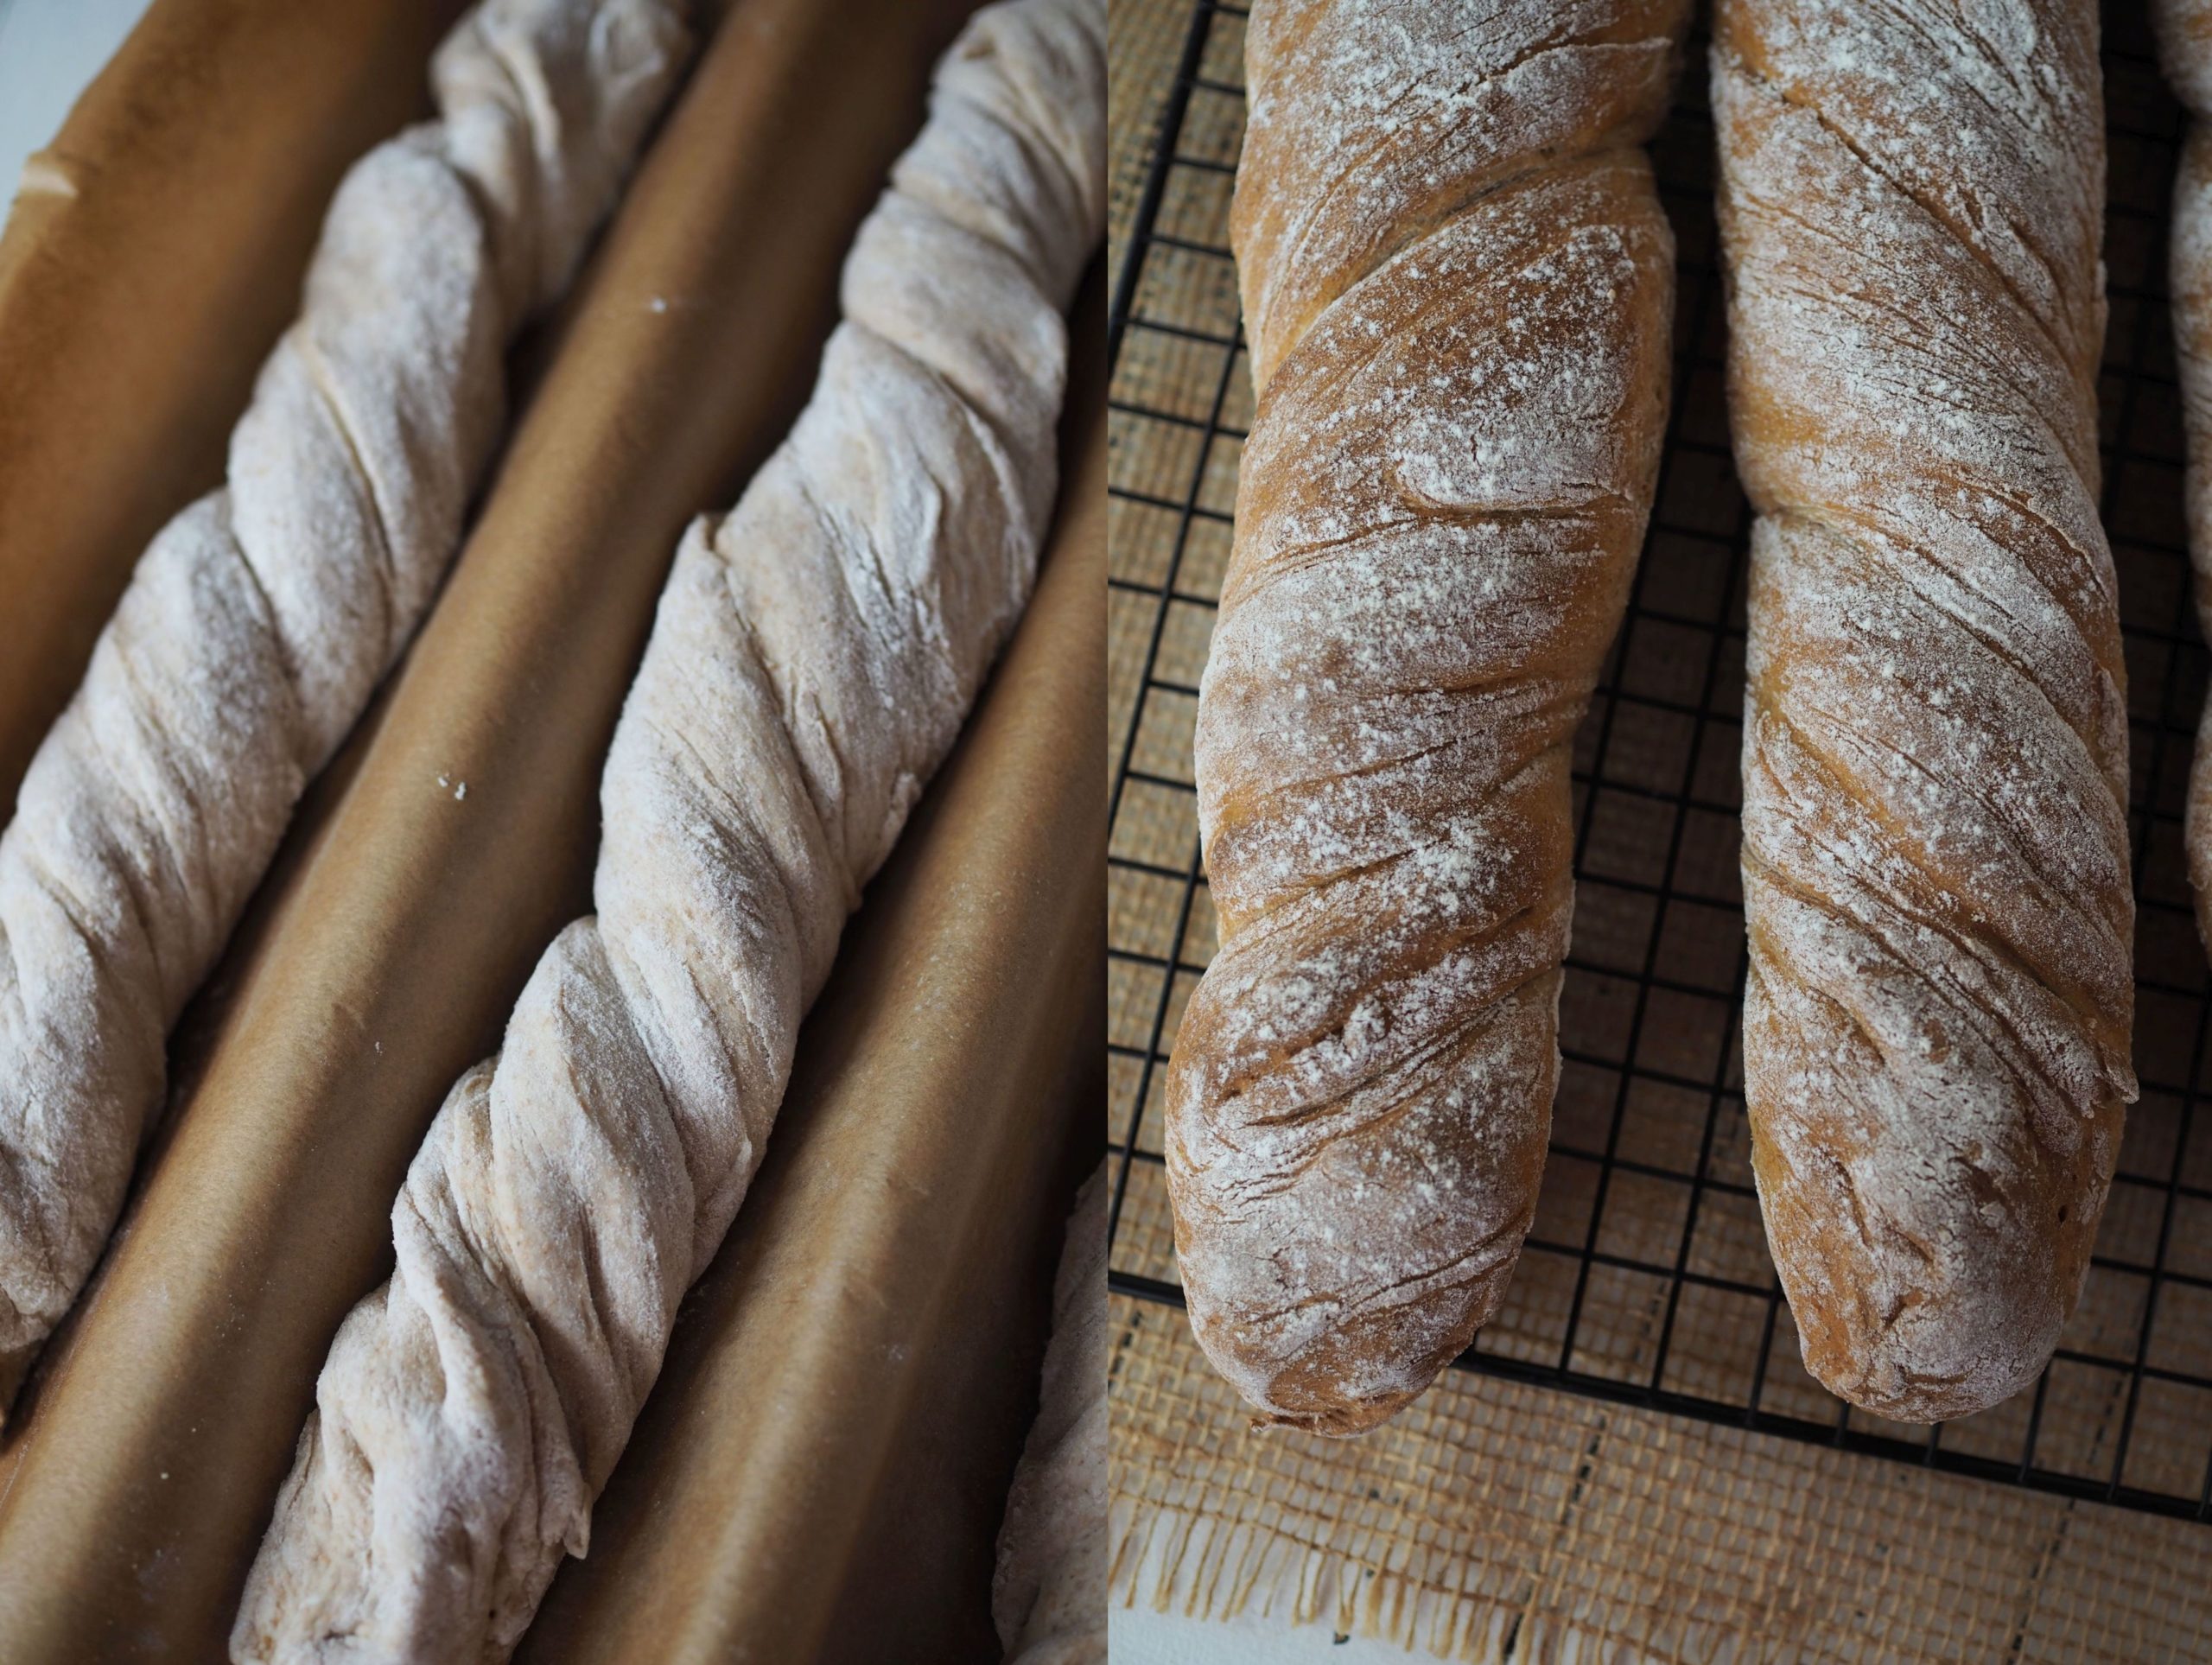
(49, 49)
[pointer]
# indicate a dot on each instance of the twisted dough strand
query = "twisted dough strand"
(259, 620)
(1458, 283)
(814, 654)
(1935, 864)
(1048, 1591)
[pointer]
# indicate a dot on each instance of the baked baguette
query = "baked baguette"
(1457, 284)
(2184, 30)
(1935, 857)
(814, 654)
(259, 620)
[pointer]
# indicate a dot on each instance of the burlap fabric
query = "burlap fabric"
(1497, 1521)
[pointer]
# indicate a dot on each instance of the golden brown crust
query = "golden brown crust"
(1458, 284)
(1936, 860)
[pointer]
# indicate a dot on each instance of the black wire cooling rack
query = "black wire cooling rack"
(1646, 1280)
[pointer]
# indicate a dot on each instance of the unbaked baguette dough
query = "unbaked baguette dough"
(259, 620)
(814, 654)
(2185, 53)
(1936, 858)
(1458, 283)
(1048, 1596)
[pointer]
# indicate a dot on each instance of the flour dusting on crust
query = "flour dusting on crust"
(1459, 285)
(1935, 862)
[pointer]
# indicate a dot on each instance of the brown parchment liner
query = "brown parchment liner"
(137, 1474)
(152, 255)
(822, 1468)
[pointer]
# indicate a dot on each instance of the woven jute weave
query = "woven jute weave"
(1496, 1521)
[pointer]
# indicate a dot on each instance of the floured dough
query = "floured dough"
(813, 656)
(1048, 1596)
(259, 620)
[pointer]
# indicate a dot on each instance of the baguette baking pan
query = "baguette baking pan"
(454, 835)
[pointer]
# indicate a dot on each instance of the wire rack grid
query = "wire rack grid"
(1646, 1278)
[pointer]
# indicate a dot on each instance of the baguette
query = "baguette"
(1934, 858)
(259, 621)
(1458, 285)
(2184, 30)
(815, 652)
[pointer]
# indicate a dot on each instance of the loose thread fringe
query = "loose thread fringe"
(1177, 1559)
